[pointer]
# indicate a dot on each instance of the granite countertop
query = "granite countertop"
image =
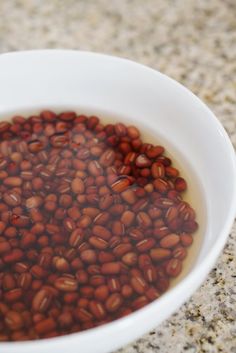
(195, 43)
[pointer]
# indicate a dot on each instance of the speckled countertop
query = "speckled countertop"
(194, 41)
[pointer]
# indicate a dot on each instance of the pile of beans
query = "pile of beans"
(92, 224)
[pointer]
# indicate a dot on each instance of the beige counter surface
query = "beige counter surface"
(193, 41)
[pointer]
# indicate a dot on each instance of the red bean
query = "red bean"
(174, 267)
(66, 284)
(41, 300)
(170, 241)
(14, 320)
(114, 302)
(44, 326)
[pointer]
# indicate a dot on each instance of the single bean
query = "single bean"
(14, 320)
(66, 284)
(41, 301)
(114, 302)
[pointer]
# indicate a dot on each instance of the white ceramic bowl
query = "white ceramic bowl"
(120, 88)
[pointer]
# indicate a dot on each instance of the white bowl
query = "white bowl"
(123, 89)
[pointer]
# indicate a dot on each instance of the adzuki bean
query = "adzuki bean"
(93, 224)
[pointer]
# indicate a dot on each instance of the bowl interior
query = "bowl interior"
(167, 112)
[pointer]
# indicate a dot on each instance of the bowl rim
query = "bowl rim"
(203, 268)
